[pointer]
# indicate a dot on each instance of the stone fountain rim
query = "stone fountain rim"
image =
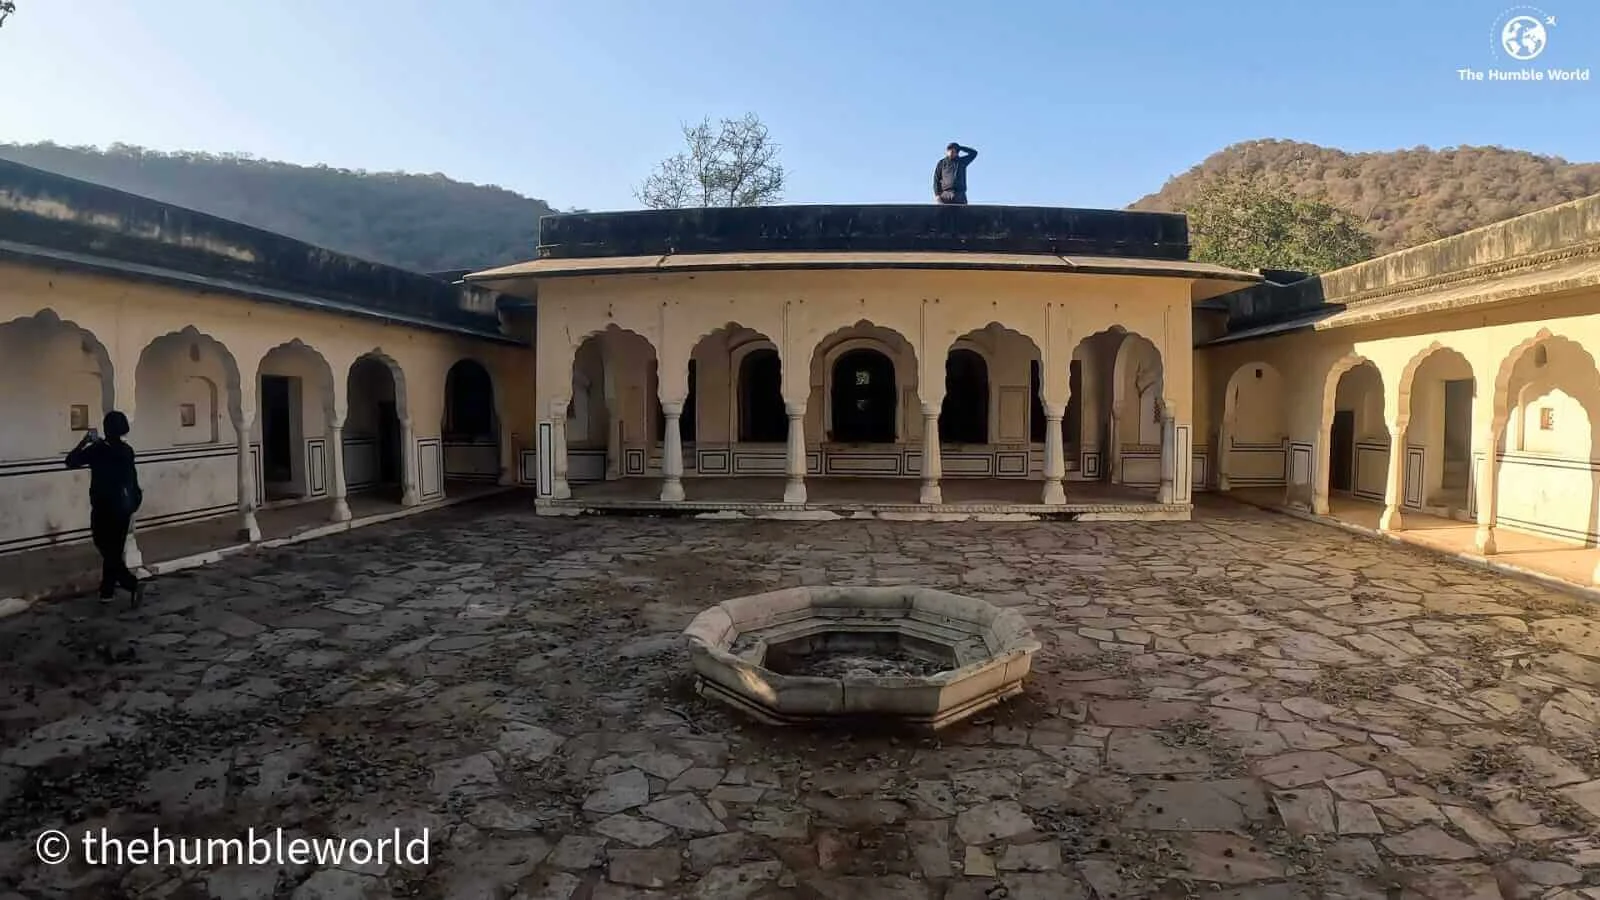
(1021, 644)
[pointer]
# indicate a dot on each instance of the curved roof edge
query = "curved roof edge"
(522, 278)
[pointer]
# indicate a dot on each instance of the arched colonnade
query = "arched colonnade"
(1502, 432)
(861, 400)
(230, 426)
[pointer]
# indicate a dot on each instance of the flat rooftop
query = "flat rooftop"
(866, 229)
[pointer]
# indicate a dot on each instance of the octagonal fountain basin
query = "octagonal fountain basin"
(907, 655)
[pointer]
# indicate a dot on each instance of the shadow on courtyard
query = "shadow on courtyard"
(1244, 706)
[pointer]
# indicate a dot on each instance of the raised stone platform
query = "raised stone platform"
(890, 499)
(744, 652)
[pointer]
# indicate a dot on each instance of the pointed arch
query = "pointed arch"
(181, 394)
(739, 373)
(56, 381)
(882, 365)
(1508, 365)
(315, 366)
(396, 372)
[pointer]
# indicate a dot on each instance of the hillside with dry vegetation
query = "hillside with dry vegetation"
(1403, 197)
(426, 223)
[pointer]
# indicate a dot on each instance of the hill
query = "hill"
(432, 223)
(426, 223)
(1406, 197)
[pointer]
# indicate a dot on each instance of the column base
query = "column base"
(1595, 577)
(341, 509)
(561, 491)
(1483, 540)
(671, 491)
(794, 492)
(931, 494)
(1392, 519)
(1223, 484)
(131, 557)
(249, 528)
(1054, 493)
(409, 498)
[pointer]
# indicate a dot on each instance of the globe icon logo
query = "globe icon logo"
(1523, 37)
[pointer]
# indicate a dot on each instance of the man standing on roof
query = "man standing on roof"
(950, 175)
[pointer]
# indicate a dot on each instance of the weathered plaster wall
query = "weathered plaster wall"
(69, 339)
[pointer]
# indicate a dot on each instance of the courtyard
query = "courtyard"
(1242, 706)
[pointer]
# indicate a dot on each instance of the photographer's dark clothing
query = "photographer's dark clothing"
(114, 497)
(950, 176)
(109, 531)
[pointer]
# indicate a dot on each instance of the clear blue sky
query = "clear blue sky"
(1070, 103)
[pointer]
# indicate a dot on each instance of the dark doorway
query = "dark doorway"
(277, 432)
(469, 403)
(762, 418)
(1342, 450)
(964, 417)
(390, 466)
(1457, 435)
(863, 398)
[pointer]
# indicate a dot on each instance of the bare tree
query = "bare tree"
(7, 7)
(732, 163)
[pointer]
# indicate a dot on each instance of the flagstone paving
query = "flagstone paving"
(1246, 706)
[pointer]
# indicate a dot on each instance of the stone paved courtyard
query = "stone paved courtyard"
(1246, 706)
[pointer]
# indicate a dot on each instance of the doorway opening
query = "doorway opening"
(863, 398)
(1457, 437)
(1342, 451)
(282, 431)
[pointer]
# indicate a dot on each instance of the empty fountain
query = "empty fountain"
(910, 655)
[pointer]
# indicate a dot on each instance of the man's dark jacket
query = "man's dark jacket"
(950, 175)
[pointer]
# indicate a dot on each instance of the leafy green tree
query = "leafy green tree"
(1246, 224)
(733, 163)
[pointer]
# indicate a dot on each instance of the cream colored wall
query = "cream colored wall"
(68, 338)
(1392, 375)
(914, 316)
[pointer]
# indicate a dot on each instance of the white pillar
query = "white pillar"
(337, 487)
(1055, 463)
(559, 489)
(1169, 460)
(408, 464)
(131, 557)
(1224, 445)
(249, 528)
(508, 458)
(932, 463)
(794, 490)
(1322, 464)
(672, 453)
(1488, 496)
(1394, 486)
(1114, 450)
